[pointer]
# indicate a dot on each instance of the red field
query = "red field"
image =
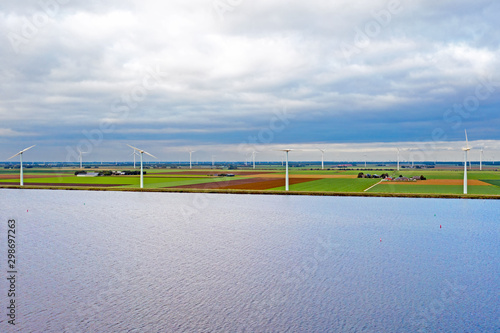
(247, 184)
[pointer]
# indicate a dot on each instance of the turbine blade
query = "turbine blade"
(22, 151)
(145, 152)
(14, 155)
(134, 148)
(466, 139)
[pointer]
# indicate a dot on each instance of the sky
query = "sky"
(227, 77)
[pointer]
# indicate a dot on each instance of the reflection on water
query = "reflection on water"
(157, 262)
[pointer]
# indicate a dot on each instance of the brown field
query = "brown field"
(247, 184)
(441, 182)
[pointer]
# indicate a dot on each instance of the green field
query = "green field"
(332, 185)
(495, 182)
(434, 189)
(123, 181)
(154, 179)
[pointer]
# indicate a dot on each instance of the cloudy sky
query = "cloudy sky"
(225, 77)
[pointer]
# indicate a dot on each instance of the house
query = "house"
(88, 174)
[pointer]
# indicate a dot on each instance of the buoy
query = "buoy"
(440, 226)
(380, 239)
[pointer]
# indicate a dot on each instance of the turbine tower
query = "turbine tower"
(81, 159)
(287, 187)
(322, 158)
(481, 153)
(253, 157)
(190, 158)
(141, 152)
(398, 157)
(21, 181)
(134, 154)
(466, 150)
(412, 157)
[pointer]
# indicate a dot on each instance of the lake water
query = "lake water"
(161, 262)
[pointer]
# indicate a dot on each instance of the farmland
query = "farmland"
(438, 182)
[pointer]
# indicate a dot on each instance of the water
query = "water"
(158, 262)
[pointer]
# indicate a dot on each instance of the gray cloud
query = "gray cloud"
(365, 71)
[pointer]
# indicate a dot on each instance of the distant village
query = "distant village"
(387, 178)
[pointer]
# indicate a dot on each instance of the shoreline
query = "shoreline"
(262, 192)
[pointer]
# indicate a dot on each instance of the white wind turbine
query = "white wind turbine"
(287, 187)
(412, 157)
(466, 150)
(21, 181)
(81, 159)
(481, 154)
(398, 156)
(140, 151)
(190, 158)
(253, 157)
(134, 154)
(322, 158)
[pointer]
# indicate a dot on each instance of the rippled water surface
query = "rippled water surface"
(158, 262)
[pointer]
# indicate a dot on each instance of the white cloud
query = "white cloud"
(7, 132)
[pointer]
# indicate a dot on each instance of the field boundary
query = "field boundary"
(260, 192)
(369, 188)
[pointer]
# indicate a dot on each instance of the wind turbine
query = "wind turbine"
(398, 157)
(412, 157)
(213, 161)
(322, 158)
(81, 159)
(21, 181)
(253, 157)
(134, 153)
(365, 160)
(190, 158)
(286, 177)
(141, 152)
(466, 150)
(481, 153)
